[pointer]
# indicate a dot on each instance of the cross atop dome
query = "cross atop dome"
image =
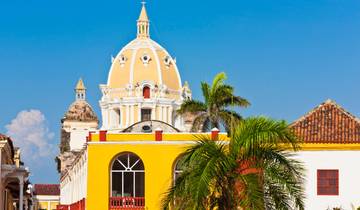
(143, 23)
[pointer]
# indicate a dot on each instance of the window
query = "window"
(122, 59)
(167, 61)
(145, 114)
(328, 182)
(146, 92)
(145, 59)
(128, 176)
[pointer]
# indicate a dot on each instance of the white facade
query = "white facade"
(78, 133)
(349, 178)
(73, 186)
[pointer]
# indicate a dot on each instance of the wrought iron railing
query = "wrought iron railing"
(127, 203)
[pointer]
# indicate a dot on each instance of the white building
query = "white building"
(331, 154)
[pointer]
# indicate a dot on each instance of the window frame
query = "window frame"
(320, 177)
(127, 169)
(143, 114)
(146, 92)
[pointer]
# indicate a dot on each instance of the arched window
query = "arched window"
(146, 92)
(127, 181)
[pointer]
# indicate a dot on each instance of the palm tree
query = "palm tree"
(215, 109)
(254, 170)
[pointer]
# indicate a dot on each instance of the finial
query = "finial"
(143, 3)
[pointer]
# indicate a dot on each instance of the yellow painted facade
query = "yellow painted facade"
(159, 159)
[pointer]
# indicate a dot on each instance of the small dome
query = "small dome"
(80, 111)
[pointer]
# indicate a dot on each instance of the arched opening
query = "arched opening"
(146, 92)
(127, 182)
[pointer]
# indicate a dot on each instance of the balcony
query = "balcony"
(127, 203)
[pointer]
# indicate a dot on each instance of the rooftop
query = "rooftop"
(47, 189)
(328, 123)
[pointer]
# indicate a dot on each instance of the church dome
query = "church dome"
(80, 111)
(143, 61)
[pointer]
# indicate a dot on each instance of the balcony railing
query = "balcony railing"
(127, 203)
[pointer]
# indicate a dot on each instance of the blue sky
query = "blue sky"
(285, 56)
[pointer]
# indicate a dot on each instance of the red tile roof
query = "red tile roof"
(328, 123)
(47, 189)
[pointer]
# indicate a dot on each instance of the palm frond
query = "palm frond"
(206, 91)
(192, 106)
(229, 119)
(218, 81)
(253, 133)
(200, 122)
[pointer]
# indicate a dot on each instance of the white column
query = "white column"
(164, 114)
(160, 113)
(21, 196)
(132, 113)
(122, 123)
(139, 112)
(127, 115)
(170, 115)
(153, 113)
(103, 117)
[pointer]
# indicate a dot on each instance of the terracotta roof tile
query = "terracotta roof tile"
(47, 189)
(328, 123)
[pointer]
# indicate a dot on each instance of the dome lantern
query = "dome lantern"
(143, 23)
(80, 91)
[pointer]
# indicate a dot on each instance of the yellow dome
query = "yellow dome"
(143, 61)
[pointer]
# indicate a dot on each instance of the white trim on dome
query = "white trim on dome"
(176, 69)
(117, 57)
(137, 44)
(157, 61)
(132, 64)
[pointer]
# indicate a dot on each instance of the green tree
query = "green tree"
(254, 170)
(214, 111)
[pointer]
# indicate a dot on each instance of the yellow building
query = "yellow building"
(131, 160)
(46, 196)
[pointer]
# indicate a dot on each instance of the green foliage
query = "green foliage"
(214, 111)
(253, 171)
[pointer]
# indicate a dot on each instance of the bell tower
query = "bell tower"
(80, 91)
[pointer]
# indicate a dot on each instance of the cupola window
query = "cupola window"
(122, 59)
(145, 59)
(167, 61)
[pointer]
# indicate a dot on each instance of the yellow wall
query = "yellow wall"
(45, 205)
(158, 161)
